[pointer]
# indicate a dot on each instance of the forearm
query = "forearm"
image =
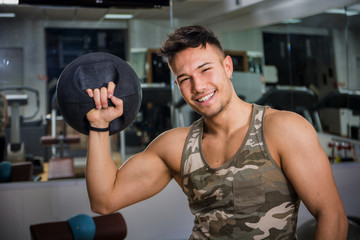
(332, 227)
(100, 171)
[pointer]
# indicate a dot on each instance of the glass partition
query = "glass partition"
(320, 57)
(309, 65)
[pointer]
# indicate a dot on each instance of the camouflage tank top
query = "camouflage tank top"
(249, 197)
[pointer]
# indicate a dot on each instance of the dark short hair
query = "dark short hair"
(188, 37)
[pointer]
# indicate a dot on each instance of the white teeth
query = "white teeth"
(206, 97)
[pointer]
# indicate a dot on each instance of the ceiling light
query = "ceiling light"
(9, 1)
(292, 21)
(7, 15)
(342, 11)
(118, 16)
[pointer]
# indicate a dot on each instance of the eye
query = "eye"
(205, 69)
(183, 79)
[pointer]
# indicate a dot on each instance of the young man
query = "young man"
(243, 167)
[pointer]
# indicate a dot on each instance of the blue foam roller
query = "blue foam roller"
(5, 171)
(82, 227)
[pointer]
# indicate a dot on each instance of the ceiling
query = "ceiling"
(182, 9)
(199, 11)
(333, 21)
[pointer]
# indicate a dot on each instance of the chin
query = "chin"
(209, 114)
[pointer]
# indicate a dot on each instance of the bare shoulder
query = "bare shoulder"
(171, 138)
(169, 147)
(288, 133)
(286, 123)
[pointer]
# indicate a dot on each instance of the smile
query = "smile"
(205, 98)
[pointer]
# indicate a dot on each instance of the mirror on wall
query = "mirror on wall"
(321, 56)
(309, 65)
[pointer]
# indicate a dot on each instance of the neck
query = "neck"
(235, 116)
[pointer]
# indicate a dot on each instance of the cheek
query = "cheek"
(213, 77)
(185, 86)
(183, 91)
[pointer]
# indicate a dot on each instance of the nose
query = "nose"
(198, 84)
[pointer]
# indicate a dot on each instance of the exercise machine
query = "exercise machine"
(61, 165)
(16, 99)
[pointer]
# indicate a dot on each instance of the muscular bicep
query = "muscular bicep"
(141, 177)
(147, 173)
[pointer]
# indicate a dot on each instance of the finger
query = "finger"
(110, 89)
(97, 98)
(103, 97)
(90, 92)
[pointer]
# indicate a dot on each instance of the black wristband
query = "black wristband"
(99, 129)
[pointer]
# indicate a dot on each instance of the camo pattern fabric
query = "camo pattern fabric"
(249, 197)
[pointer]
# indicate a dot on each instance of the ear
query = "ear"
(228, 65)
(173, 76)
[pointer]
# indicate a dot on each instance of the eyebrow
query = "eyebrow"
(200, 66)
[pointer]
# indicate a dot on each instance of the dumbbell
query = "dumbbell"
(95, 70)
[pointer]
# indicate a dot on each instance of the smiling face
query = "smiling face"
(203, 76)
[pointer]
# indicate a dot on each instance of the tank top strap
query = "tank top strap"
(255, 138)
(191, 156)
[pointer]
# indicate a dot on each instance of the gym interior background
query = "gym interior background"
(302, 56)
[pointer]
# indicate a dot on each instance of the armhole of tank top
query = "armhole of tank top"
(266, 149)
(184, 150)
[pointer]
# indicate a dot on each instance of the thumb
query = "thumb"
(119, 104)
